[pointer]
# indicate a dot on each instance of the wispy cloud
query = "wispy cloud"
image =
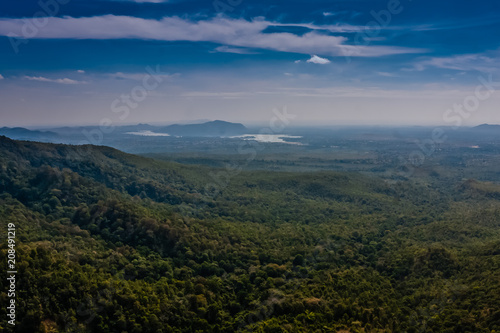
(483, 62)
(221, 95)
(237, 50)
(455, 25)
(342, 13)
(428, 92)
(386, 74)
(318, 60)
(221, 30)
(61, 81)
(150, 1)
(1, 77)
(126, 76)
(138, 76)
(141, 1)
(335, 28)
(80, 71)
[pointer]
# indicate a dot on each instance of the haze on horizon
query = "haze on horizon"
(329, 62)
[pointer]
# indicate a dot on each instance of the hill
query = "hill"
(213, 128)
(20, 133)
(487, 127)
(113, 242)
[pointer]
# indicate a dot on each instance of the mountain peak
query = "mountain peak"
(215, 128)
(488, 127)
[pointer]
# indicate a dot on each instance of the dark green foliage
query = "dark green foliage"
(110, 242)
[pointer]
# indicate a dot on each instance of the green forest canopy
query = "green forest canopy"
(112, 242)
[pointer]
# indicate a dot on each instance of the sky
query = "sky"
(337, 62)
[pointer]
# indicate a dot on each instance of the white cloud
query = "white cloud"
(80, 71)
(1, 77)
(221, 30)
(62, 81)
(318, 60)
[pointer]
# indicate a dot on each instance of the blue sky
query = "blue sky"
(67, 62)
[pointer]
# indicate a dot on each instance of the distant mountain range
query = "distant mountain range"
(20, 133)
(211, 128)
(488, 127)
(217, 128)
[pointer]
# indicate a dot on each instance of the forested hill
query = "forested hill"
(112, 242)
(103, 166)
(21, 133)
